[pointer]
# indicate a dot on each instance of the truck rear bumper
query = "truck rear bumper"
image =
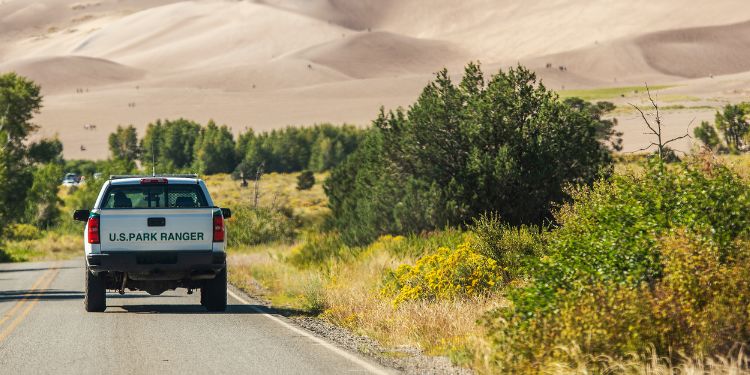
(157, 263)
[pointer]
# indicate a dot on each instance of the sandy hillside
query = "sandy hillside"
(269, 63)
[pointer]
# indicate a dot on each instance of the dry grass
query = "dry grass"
(649, 363)
(262, 272)
(348, 295)
(51, 246)
(275, 190)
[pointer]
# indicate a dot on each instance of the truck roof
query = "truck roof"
(136, 180)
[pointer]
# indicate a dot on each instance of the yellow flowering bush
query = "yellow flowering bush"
(445, 274)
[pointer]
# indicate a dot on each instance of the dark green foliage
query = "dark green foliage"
(733, 123)
(606, 129)
(46, 151)
(317, 148)
(42, 201)
(305, 180)
(84, 167)
(611, 262)
(20, 99)
(172, 143)
(367, 201)
(214, 150)
(123, 143)
(507, 145)
(707, 134)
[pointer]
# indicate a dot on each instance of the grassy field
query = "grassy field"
(275, 190)
(49, 246)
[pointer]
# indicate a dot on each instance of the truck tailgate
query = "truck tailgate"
(161, 229)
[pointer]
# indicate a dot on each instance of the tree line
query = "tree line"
(187, 146)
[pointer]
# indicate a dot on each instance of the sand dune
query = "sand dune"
(270, 63)
(67, 73)
(379, 54)
(699, 52)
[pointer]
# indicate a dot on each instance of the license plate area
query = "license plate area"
(156, 258)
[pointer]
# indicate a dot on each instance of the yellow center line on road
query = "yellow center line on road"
(25, 296)
(42, 283)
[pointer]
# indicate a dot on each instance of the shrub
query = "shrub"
(445, 274)
(637, 261)
(700, 305)
(417, 245)
(21, 232)
(318, 249)
(305, 180)
(514, 249)
(253, 226)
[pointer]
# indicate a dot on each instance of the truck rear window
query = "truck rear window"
(154, 196)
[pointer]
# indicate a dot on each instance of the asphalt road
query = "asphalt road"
(45, 330)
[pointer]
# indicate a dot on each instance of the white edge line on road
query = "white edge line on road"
(362, 363)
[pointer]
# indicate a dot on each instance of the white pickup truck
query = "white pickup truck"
(155, 233)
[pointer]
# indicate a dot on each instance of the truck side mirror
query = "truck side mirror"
(81, 215)
(227, 213)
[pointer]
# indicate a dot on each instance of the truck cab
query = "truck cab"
(155, 233)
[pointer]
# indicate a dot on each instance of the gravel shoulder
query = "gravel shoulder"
(407, 360)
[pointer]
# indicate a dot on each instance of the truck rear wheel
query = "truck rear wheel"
(214, 292)
(95, 299)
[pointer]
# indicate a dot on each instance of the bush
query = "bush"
(305, 180)
(318, 249)
(253, 226)
(22, 232)
(637, 261)
(445, 274)
(417, 245)
(514, 249)
(507, 144)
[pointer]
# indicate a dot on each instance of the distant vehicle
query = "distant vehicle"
(155, 233)
(71, 179)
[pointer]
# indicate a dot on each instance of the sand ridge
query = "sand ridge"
(270, 63)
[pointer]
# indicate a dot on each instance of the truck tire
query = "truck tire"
(95, 299)
(214, 292)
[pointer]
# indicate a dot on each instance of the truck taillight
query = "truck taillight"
(218, 228)
(93, 228)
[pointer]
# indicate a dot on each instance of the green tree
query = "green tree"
(172, 143)
(42, 202)
(20, 99)
(214, 150)
(123, 143)
(606, 129)
(305, 180)
(46, 151)
(506, 145)
(733, 123)
(707, 134)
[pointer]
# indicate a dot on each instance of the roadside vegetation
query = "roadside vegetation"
(491, 221)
